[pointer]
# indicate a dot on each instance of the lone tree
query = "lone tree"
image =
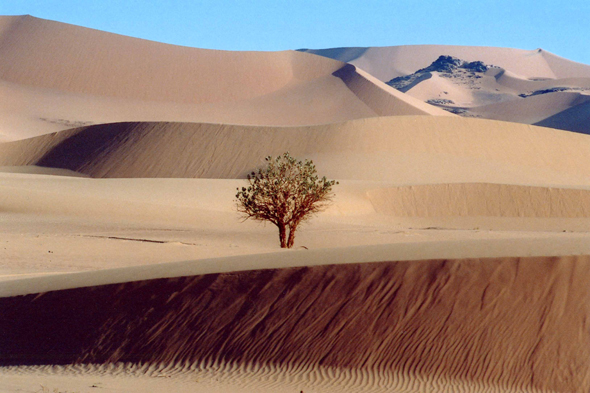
(286, 193)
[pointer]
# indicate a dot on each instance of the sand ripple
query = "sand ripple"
(514, 323)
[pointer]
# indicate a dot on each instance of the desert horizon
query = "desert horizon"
(453, 255)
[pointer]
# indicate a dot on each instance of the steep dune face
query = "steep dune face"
(381, 98)
(493, 83)
(80, 76)
(518, 323)
(403, 150)
(475, 89)
(389, 62)
(564, 68)
(574, 118)
(423, 166)
(84, 103)
(535, 109)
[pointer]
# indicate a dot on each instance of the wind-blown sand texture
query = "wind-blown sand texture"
(366, 317)
(454, 257)
(531, 87)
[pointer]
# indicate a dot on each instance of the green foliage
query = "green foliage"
(286, 193)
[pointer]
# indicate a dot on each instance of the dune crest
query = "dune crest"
(493, 83)
(454, 255)
(427, 318)
(388, 62)
(79, 76)
(404, 150)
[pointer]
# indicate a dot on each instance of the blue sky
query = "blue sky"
(562, 28)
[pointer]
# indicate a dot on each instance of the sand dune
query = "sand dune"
(55, 224)
(251, 378)
(388, 62)
(481, 200)
(405, 150)
(493, 89)
(534, 109)
(476, 90)
(79, 76)
(427, 318)
(575, 118)
(59, 56)
(454, 256)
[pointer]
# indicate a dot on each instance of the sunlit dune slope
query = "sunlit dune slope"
(531, 87)
(56, 76)
(397, 166)
(481, 200)
(404, 150)
(388, 62)
(123, 252)
(510, 322)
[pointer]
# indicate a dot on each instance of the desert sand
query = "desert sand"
(523, 86)
(455, 254)
(61, 76)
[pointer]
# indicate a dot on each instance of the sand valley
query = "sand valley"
(455, 255)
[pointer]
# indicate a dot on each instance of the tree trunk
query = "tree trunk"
(291, 240)
(282, 235)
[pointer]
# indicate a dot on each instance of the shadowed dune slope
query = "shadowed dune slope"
(80, 76)
(405, 150)
(389, 62)
(418, 318)
(574, 118)
(565, 111)
(535, 109)
(531, 87)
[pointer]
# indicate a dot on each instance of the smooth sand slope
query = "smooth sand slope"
(388, 62)
(405, 150)
(397, 326)
(399, 176)
(54, 224)
(531, 87)
(58, 76)
(454, 256)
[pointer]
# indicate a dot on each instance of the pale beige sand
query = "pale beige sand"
(98, 223)
(405, 176)
(77, 76)
(423, 245)
(121, 378)
(405, 150)
(481, 200)
(419, 193)
(56, 224)
(101, 223)
(561, 103)
(532, 109)
(388, 62)
(495, 94)
(493, 86)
